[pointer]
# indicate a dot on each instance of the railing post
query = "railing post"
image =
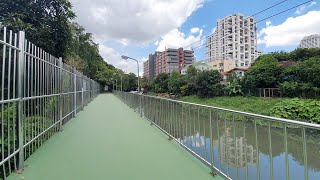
(75, 92)
(21, 74)
(60, 89)
(82, 90)
(140, 104)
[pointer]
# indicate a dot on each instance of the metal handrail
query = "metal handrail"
(274, 119)
(181, 122)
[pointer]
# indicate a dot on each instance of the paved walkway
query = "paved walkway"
(107, 140)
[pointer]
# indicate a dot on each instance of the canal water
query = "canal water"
(243, 147)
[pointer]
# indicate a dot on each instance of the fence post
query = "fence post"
(60, 89)
(75, 92)
(21, 74)
(82, 90)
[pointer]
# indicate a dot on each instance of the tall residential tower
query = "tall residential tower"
(312, 41)
(235, 39)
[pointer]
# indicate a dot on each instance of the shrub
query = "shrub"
(208, 84)
(302, 90)
(297, 109)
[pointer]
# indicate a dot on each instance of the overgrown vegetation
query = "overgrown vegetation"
(247, 104)
(305, 110)
(296, 73)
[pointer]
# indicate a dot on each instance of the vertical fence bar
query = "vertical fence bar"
(14, 95)
(20, 95)
(245, 149)
(257, 149)
(2, 98)
(60, 92)
(211, 144)
(305, 156)
(9, 91)
(286, 151)
(270, 151)
(82, 79)
(219, 140)
(235, 147)
(75, 92)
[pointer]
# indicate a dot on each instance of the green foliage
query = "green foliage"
(234, 87)
(132, 82)
(184, 90)
(265, 73)
(46, 22)
(146, 84)
(160, 83)
(296, 89)
(248, 104)
(192, 71)
(304, 54)
(175, 82)
(208, 83)
(305, 72)
(297, 109)
(281, 55)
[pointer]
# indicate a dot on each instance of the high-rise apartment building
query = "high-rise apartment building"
(149, 66)
(173, 60)
(234, 39)
(146, 71)
(312, 41)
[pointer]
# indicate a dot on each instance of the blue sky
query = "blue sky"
(139, 27)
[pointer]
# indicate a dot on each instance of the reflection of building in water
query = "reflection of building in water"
(198, 140)
(234, 152)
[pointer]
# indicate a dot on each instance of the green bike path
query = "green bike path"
(107, 140)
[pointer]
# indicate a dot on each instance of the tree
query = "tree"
(160, 83)
(208, 83)
(304, 54)
(265, 73)
(132, 84)
(305, 72)
(190, 79)
(46, 22)
(234, 87)
(175, 81)
(145, 84)
(281, 55)
(192, 71)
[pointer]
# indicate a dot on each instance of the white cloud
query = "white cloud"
(113, 57)
(303, 8)
(176, 39)
(133, 21)
(194, 30)
(291, 31)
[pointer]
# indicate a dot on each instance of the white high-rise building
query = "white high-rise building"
(234, 39)
(312, 41)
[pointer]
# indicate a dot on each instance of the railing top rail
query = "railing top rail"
(269, 118)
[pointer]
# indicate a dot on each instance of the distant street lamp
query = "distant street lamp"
(116, 83)
(120, 78)
(126, 58)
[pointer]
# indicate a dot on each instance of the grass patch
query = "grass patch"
(248, 104)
